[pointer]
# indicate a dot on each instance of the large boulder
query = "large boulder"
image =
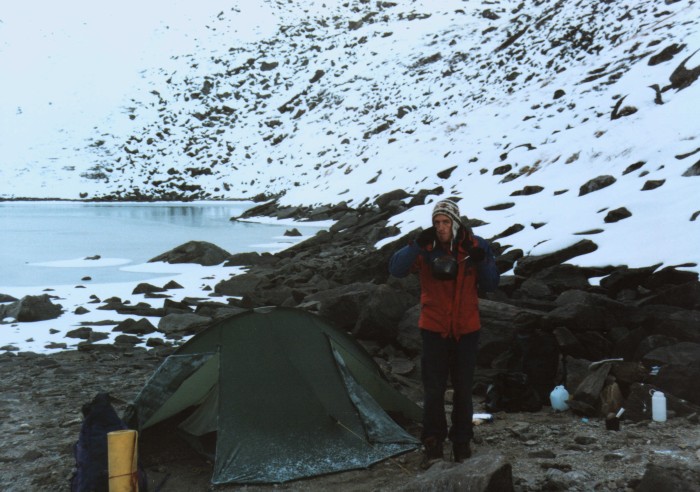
(683, 354)
(341, 305)
(528, 265)
(380, 315)
(498, 322)
(485, 473)
(670, 475)
(182, 324)
(31, 308)
(240, 285)
(200, 252)
(679, 381)
(409, 337)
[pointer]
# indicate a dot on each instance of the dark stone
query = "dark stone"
(408, 336)
(683, 354)
(528, 190)
(251, 259)
(32, 308)
(682, 78)
(81, 333)
(693, 170)
(383, 200)
(652, 184)
(379, 317)
(200, 252)
(144, 288)
(626, 278)
(485, 473)
(140, 327)
(653, 342)
(185, 324)
(596, 184)
(670, 475)
(669, 275)
(500, 206)
(617, 215)
(680, 381)
(239, 285)
(506, 261)
(342, 305)
(666, 54)
(528, 265)
(127, 339)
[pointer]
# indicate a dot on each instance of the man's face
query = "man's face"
(443, 228)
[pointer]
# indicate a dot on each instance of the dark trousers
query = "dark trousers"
(443, 358)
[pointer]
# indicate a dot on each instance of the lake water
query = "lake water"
(45, 243)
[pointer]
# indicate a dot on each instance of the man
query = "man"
(452, 264)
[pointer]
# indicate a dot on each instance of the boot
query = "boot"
(432, 452)
(461, 451)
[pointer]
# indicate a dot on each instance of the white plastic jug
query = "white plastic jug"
(558, 397)
(658, 406)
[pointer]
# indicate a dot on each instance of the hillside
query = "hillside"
(522, 109)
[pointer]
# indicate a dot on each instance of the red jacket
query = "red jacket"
(449, 307)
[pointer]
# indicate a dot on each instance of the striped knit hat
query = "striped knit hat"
(451, 210)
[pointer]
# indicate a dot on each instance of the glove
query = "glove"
(426, 237)
(477, 254)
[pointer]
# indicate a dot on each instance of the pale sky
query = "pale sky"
(67, 64)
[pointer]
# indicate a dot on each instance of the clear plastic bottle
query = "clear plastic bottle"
(658, 406)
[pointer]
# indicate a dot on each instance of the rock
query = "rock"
(132, 327)
(144, 288)
(7, 298)
(669, 475)
(342, 305)
(379, 317)
(588, 392)
(528, 265)
(239, 285)
(498, 329)
(626, 278)
(385, 199)
(81, 333)
(251, 259)
(596, 184)
(679, 381)
(32, 308)
(409, 337)
(184, 324)
(683, 353)
(200, 252)
(486, 473)
(617, 215)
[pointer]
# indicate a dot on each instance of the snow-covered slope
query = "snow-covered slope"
(512, 106)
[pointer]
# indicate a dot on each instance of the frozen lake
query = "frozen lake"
(46, 243)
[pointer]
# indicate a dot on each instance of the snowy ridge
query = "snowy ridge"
(512, 106)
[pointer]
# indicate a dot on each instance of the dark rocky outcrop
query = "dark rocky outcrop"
(31, 308)
(200, 252)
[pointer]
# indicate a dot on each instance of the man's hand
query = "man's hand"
(477, 254)
(426, 237)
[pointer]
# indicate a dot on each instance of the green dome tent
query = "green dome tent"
(285, 394)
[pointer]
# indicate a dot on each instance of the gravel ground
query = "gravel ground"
(40, 418)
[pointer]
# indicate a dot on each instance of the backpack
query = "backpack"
(91, 473)
(512, 392)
